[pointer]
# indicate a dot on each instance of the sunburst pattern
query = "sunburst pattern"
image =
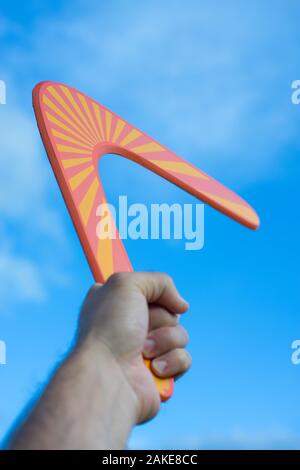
(76, 130)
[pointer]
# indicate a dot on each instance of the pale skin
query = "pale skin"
(103, 389)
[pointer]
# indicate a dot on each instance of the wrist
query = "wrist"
(121, 403)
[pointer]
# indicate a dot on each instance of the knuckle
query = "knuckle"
(167, 278)
(184, 359)
(179, 336)
(92, 293)
(118, 279)
(185, 334)
(95, 287)
(169, 335)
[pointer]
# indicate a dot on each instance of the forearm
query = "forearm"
(87, 405)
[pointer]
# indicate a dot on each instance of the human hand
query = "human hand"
(134, 315)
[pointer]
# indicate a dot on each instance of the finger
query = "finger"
(159, 288)
(172, 364)
(164, 339)
(159, 316)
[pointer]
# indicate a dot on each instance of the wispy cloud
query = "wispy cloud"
(20, 279)
(218, 93)
(211, 81)
(28, 219)
(22, 172)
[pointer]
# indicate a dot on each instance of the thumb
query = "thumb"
(159, 288)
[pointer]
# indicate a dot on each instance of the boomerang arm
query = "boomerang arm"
(183, 174)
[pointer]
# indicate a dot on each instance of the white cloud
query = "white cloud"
(27, 218)
(213, 78)
(20, 279)
(209, 80)
(22, 173)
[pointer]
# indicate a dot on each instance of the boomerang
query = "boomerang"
(76, 132)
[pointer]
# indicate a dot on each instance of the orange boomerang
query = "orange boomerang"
(77, 131)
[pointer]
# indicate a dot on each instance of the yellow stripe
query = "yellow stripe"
(66, 128)
(241, 210)
(99, 120)
(108, 117)
(88, 112)
(79, 112)
(180, 167)
(118, 130)
(68, 149)
(53, 106)
(105, 253)
(131, 136)
(147, 148)
(105, 257)
(67, 108)
(87, 202)
(70, 139)
(77, 179)
(70, 162)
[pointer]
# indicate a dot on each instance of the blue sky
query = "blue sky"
(212, 81)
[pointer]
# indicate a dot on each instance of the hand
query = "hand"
(135, 314)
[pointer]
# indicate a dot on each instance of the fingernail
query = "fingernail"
(160, 366)
(184, 301)
(149, 345)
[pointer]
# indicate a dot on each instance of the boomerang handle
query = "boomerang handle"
(165, 387)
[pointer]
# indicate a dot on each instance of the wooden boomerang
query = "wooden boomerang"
(77, 131)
